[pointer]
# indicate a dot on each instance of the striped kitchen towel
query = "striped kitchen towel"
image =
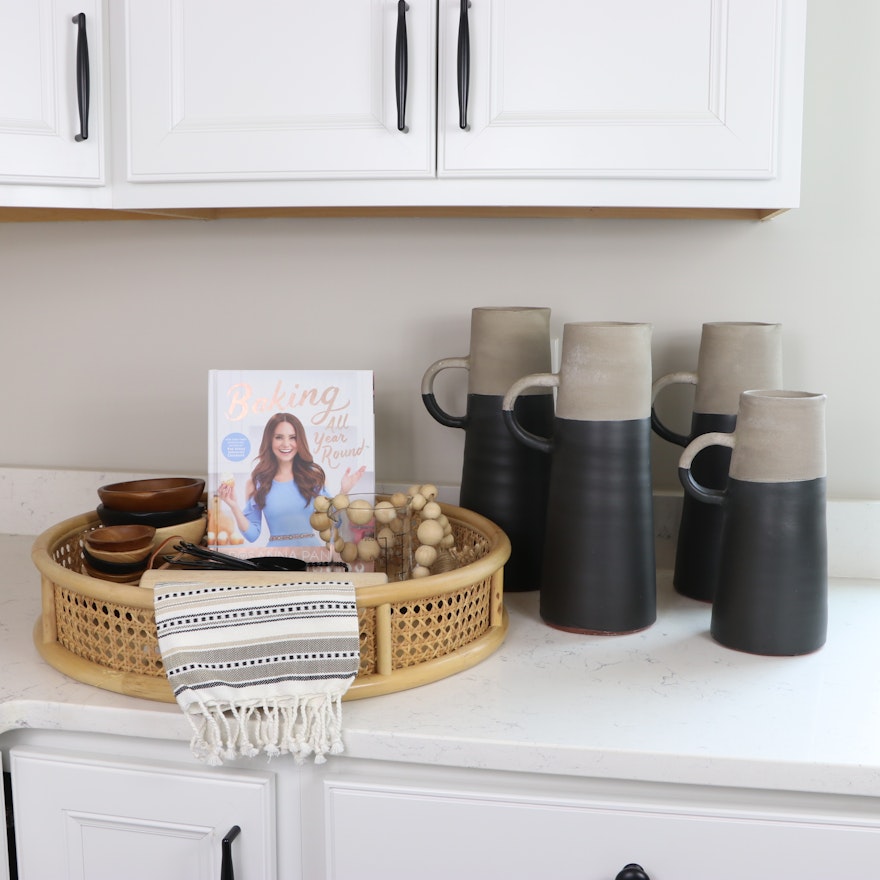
(258, 663)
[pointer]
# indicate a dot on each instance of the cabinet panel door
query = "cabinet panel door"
(277, 90)
(39, 117)
(630, 89)
(86, 818)
(434, 834)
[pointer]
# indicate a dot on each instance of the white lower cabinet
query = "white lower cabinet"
(93, 817)
(136, 809)
(402, 822)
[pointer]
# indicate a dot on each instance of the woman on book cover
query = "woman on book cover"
(282, 486)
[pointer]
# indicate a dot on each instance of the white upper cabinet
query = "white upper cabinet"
(690, 103)
(630, 89)
(633, 104)
(51, 131)
(279, 89)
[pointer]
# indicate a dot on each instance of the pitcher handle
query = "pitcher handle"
(691, 486)
(431, 405)
(543, 380)
(681, 378)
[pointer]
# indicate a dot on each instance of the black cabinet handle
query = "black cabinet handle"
(82, 76)
(226, 871)
(401, 65)
(632, 872)
(464, 63)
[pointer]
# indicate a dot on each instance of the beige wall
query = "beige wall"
(107, 330)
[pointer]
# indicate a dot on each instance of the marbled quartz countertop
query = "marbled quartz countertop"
(667, 704)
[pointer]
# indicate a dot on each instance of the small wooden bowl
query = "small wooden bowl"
(132, 578)
(159, 494)
(117, 557)
(119, 539)
(192, 531)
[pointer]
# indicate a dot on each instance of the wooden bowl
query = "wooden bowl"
(119, 539)
(192, 531)
(158, 494)
(158, 519)
(117, 557)
(99, 575)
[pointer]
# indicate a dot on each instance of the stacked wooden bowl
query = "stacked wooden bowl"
(136, 517)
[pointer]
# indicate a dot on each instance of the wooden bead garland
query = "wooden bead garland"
(410, 524)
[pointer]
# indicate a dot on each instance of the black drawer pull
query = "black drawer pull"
(226, 870)
(464, 63)
(632, 871)
(82, 76)
(401, 65)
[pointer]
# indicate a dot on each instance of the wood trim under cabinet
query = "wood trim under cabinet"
(47, 215)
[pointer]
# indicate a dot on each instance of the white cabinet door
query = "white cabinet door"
(89, 818)
(633, 89)
(413, 822)
(39, 110)
(277, 90)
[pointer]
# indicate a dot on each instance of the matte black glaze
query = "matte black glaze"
(599, 570)
(699, 532)
(503, 480)
(772, 595)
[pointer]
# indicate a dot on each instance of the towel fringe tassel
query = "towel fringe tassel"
(297, 726)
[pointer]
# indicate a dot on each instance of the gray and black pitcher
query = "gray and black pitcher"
(502, 479)
(734, 357)
(598, 573)
(772, 595)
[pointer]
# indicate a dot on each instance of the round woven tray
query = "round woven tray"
(411, 632)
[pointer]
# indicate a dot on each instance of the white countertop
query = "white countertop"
(667, 704)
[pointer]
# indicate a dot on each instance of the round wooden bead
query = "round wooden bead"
(368, 549)
(432, 510)
(430, 532)
(340, 502)
(425, 555)
(360, 511)
(385, 511)
(320, 521)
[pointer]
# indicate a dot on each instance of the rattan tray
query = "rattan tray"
(412, 632)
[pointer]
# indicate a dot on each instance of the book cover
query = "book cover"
(277, 440)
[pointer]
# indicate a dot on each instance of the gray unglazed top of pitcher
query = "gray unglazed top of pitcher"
(605, 374)
(507, 343)
(734, 357)
(780, 437)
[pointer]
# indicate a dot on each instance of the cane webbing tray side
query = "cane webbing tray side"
(411, 631)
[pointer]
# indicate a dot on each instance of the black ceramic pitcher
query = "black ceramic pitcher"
(502, 479)
(733, 357)
(598, 573)
(772, 595)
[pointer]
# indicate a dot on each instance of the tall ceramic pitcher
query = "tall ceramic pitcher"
(598, 573)
(772, 595)
(733, 357)
(502, 479)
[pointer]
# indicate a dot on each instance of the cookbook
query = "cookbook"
(279, 439)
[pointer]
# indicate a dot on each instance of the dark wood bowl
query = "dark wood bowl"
(148, 496)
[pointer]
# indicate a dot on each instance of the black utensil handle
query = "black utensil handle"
(632, 872)
(464, 63)
(82, 76)
(401, 65)
(226, 870)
